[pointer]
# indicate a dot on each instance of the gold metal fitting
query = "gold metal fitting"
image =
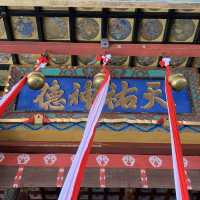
(177, 81)
(98, 79)
(36, 80)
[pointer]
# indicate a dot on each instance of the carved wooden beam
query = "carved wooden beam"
(167, 4)
(103, 120)
(97, 148)
(184, 50)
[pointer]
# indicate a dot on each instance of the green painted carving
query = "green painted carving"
(79, 72)
(128, 72)
(2, 83)
(156, 73)
(11, 194)
(156, 117)
(50, 71)
(140, 74)
(117, 72)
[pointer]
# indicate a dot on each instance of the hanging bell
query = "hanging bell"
(98, 79)
(177, 81)
(36, 80)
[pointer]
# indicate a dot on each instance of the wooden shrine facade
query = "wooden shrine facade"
(130, 149)
(103, 170)
(132, 146)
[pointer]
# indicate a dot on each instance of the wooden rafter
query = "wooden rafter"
(187, 50)
(168, 4)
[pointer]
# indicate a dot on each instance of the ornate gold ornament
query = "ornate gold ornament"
(36, 80)
(38, 118)
(177, 81)
(103, 120)
(98, 79)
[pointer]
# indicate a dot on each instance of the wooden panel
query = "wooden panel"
(7, 175)
(24, 27)
(115, 178)
(165, 179)
(3, 77)
(194, 175)
(91, 178)
(39, 176)
(102, 135)
(174, 4)
(123, 178)
(103, 147)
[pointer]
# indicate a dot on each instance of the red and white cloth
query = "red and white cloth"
(73, 180)
(104, 59)
(12, 94)
(7, 98)
(177, 157)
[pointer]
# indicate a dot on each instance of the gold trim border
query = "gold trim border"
(103, 120)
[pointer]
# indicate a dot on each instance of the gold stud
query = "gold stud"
(98, 79)
(177, 81)
(36, 80)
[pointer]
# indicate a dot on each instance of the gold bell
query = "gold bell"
(36, 80)
(98, 79)
(177, 81)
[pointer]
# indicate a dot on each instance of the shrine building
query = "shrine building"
(52, 59)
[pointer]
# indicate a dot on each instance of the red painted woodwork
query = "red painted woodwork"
(97, 161)
(190, 50)
(98, 148)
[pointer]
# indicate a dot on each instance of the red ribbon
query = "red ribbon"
(182, 183)
(17, 88)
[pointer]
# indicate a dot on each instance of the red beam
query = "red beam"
(115, 161)
(19, 47)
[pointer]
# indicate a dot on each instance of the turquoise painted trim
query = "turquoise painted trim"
(79, 72)
(128, 72)
(51, 72)
(156, 73)
(66, 126)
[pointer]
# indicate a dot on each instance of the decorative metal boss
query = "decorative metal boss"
(36, 80)
(177, 81)
(98, 79)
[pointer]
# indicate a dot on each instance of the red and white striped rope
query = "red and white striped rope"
(74, 177)
(177, 157)
(12, 94)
